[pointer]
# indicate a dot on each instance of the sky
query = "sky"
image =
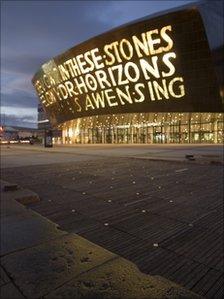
(32, 32)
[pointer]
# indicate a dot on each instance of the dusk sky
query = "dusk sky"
(32, 32)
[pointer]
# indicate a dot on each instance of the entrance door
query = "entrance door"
(158, 135)
(174, 134)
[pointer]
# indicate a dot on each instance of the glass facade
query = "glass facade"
(145, 128)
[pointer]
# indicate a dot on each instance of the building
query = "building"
(15, 134)
(45, 125)
(77, 102)
(42, 120)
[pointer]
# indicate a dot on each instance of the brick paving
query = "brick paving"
(165, 217)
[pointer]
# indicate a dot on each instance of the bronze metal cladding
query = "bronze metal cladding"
(155, 65)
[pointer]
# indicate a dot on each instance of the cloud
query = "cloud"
(14, 83)
(17, 120)
(22, 100)
(32, 32)
(23, 111)
(24, 117)
(17, 90)
(28, 41)
(23, 63)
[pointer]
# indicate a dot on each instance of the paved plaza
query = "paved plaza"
(148, 204)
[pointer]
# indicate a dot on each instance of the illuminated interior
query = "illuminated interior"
(145, 128)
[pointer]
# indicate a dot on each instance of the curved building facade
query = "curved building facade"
(143, 128)
(157, 80)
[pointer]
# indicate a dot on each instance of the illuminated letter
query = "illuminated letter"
(166, 60)
(119, 69)
(147, 68)
(102, 78)
(91, 82)
(80, 85)
(89, 103)
(166, 37)
(128, 46)
(82, 63)
(73, 67)
(97, 58)
(162, 90)
(110, 97)
(123, 95)
(109, 54)
(77, 103)
(110, 72)
(152, 97)
(46, 80)
(49, 96)
(134, 71)
(141, 45)
(181, 88)
(152, 42)
(139, 92)
(115, 45)
(64, 73)
(89, 61)
(99, 99)
(39, 88)
(63, 91)
(43, 101)
(70, 88)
